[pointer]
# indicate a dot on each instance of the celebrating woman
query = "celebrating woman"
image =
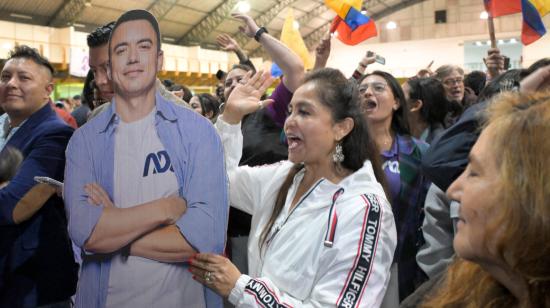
(385, 111)
(503, 235)
(322, 231)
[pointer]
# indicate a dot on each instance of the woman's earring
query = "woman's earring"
(338, 155)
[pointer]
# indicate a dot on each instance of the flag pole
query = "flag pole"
(491, 25)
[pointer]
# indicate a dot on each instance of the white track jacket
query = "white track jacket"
(334, 249)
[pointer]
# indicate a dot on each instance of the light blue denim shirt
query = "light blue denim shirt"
(197, 157)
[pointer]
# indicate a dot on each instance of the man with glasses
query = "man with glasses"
(452, 77)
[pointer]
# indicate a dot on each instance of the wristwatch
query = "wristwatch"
(259, 33)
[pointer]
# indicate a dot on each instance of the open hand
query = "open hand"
(250, 27)
(245, 97)
(227, 43)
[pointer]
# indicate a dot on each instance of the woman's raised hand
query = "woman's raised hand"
(245, 97)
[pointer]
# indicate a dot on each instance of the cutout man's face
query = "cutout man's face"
(135, 59)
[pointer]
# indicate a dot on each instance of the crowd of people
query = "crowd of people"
(333, 190)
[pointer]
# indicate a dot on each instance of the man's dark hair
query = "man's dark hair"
(138, 15)
(26, 52)
(476, 81)
(100, 36)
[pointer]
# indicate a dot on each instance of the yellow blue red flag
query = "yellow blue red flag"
(352, 26)
(532, 11)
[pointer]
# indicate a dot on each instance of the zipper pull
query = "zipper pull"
(332, 220)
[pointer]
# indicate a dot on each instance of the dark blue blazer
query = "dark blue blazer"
(37, 266)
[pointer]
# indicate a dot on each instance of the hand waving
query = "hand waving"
(245, 98)
(227, 42)
(250, 27)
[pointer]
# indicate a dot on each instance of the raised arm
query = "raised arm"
(291, 65)
(362, 65)
(229, 44)
(494, 63)
(322, 52)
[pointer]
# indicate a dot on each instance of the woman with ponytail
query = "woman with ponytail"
(323, 232)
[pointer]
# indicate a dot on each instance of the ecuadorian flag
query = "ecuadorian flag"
(352, 26)
(532, 11)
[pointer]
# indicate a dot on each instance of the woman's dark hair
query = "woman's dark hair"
(209, 104)
(341, 97)
(399, 121)
(434, 101)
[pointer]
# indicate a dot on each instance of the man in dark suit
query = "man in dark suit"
(37, 266)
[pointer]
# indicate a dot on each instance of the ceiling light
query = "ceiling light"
(88, 3)
(488, 42)
(243, 7)
(513, 41)
(501, 42)
(391, 25)
(484, 15)
(169, 39)
(478, 43)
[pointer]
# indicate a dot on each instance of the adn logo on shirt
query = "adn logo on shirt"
(159, 163)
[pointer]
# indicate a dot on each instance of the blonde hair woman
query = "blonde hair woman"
(503, 238)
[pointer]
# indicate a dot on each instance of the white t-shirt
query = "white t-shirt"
(143, 173)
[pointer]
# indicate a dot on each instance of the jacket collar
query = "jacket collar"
(164, 110)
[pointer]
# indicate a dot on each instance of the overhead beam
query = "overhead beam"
(208, 24)
(67, 13)
(160, 8)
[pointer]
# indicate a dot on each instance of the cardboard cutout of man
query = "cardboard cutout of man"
(146, 186)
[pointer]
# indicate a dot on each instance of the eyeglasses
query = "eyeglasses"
(377, 87)
(452, 81)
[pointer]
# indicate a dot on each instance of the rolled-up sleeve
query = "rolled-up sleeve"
(82, 216)
(205, 190)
